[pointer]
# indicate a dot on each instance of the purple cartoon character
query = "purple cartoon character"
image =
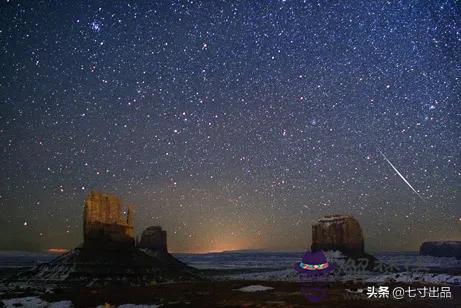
(313, 273)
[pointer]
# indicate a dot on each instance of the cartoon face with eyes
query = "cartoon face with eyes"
(313, 270)
(313, 267)
(314, 262)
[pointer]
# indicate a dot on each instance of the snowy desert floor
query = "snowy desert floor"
(401, 267)
(222, 294)
(255, 279)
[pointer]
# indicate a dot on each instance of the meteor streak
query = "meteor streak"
(403, 178)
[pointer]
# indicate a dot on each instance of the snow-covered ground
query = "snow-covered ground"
(274, 266)
(236, 260)
(13, 259)
(254, 288)
(278, 266)
(34, 302)
(413, 259)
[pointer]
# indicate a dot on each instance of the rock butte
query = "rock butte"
(338, 232)
(109, 254)
(343, 233)
(153, 238)
(103, 224)
(441, 249)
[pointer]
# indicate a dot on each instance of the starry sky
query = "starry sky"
(232, 124)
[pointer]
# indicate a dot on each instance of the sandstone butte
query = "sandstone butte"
(104, 224)
(343, 233)
(109, 253)
(338, 232)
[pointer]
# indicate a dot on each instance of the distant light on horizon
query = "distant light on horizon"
(57, 250)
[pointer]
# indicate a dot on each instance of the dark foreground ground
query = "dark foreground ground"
(224, 294)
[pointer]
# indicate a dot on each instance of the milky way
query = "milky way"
(233, 125)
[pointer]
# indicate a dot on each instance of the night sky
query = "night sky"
(233, 125)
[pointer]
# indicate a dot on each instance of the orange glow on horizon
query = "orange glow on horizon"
(57, 250)
(205, 251)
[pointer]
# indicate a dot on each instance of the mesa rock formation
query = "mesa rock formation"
(103, 224)
(441, 249)
(153, 243)
(153, 238)
(342, 233)
(338, 232)
(109, 255)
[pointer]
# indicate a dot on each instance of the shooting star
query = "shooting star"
(403, 178)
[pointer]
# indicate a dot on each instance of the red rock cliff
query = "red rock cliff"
(103, 221)
(338, 232)
(153, 238)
